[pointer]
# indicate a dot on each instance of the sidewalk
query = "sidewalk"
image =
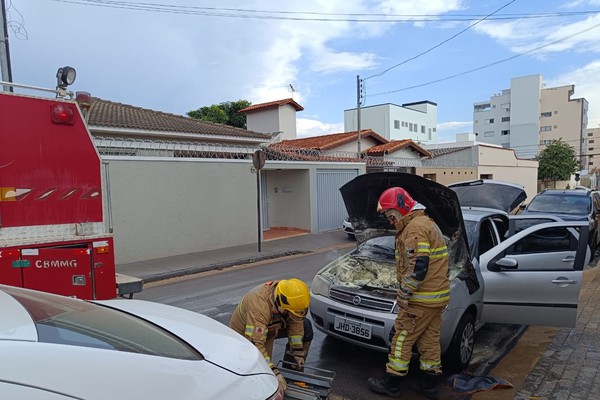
(556, 363)
(171, 267)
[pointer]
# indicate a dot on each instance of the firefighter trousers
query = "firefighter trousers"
(420, 326)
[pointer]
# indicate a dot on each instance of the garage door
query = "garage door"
(330, 206)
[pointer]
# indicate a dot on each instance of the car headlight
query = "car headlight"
(320, 285)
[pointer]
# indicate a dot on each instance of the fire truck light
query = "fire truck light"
(65, 76)
(102, 250)
(63, 114)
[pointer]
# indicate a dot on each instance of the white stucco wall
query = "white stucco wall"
(289, 198)
(265, 121)
(164, 207)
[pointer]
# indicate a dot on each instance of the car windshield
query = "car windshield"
(560, 204)
(63, 320)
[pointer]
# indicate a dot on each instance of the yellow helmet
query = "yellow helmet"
(292, 295)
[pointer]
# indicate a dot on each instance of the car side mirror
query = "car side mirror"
(504, 263)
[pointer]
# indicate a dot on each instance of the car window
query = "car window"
(521, 224)
(562, 204)
(80, 323)
(555, 239)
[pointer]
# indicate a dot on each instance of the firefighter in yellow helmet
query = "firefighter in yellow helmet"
(423, 293)
(273, 310)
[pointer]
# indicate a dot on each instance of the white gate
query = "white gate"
(331, 211)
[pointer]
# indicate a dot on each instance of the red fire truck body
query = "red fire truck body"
(53, 232)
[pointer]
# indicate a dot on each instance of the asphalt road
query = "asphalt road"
(217, 293)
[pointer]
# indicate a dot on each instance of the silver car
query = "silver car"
(503, 268)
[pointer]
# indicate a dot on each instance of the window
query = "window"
(489, 121)
(591, 149)
(505, 132)
(505, 119)
(63, 320)
(434, 129)
(422, 128)
(546, 240)
(396, 124)
(505, 106)
(546, 128)
(591, 141)
(410, 127)
(555, 126)
(590, 133)
(555, 112)
(591, 156)
(547, 114)
(486, 176)
(488, 134)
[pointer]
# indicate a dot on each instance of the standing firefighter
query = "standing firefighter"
(275, 310)
(423, 293)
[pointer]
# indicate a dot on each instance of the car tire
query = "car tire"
(459, 353)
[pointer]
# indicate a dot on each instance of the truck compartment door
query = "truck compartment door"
(62, 270)
(10, 267)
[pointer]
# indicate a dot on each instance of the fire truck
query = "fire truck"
(55, 233)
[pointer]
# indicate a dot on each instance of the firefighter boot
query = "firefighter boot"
(425, 385)
(390, 385)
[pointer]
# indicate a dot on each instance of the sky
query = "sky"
(176, 55)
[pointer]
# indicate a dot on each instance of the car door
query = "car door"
(534, 276)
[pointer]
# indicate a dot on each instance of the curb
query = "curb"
(221, 265)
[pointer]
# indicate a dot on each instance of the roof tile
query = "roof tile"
(271, 104)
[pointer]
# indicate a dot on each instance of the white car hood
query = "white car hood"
(216, 342)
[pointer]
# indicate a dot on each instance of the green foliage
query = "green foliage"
(557, 162)
(223, 113)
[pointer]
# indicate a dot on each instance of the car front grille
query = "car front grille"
(361, 300)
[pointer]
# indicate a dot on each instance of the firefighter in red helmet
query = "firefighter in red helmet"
(273, 310)
(423, 293)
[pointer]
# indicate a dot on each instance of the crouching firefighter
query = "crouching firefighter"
(423, 293)
(274, 310)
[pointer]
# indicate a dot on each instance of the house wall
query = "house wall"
(265, 121)
(446, 176)
(503, 165)
(287, 121)
(165, 207)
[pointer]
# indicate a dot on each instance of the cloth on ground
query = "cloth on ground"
(467, 384)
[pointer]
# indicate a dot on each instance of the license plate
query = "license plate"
(352, 327)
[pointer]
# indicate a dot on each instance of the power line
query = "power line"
(491, 64)
(442, 42)
(297, 15)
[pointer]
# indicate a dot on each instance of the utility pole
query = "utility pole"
(5, 71)
(358, 101)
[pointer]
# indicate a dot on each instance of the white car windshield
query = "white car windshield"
(67, 321)
(560, 204)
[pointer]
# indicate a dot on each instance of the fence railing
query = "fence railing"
(143, 147)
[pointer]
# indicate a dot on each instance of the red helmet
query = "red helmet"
(396, 198)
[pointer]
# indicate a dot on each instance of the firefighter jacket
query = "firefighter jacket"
(256, 317)
(421, 261)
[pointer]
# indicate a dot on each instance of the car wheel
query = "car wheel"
(459, 353)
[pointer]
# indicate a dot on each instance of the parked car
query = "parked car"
(503, 268)
(348, 228)
(569, 205)
(65, 348)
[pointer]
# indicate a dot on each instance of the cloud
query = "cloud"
(331, 62)
(306, 127)
(587, 85)
(454, 125)
(522, 36)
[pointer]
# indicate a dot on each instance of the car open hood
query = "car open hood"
(489, 193)
(362, 194)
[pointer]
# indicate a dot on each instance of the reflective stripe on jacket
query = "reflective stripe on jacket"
(422, 261)
(255, 317)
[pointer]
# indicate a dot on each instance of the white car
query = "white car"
(503, 268)
(56, 347)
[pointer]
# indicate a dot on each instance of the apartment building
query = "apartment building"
(528, 116)
(415, 121)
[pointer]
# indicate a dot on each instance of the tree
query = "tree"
(223, 113)
(557, 162)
